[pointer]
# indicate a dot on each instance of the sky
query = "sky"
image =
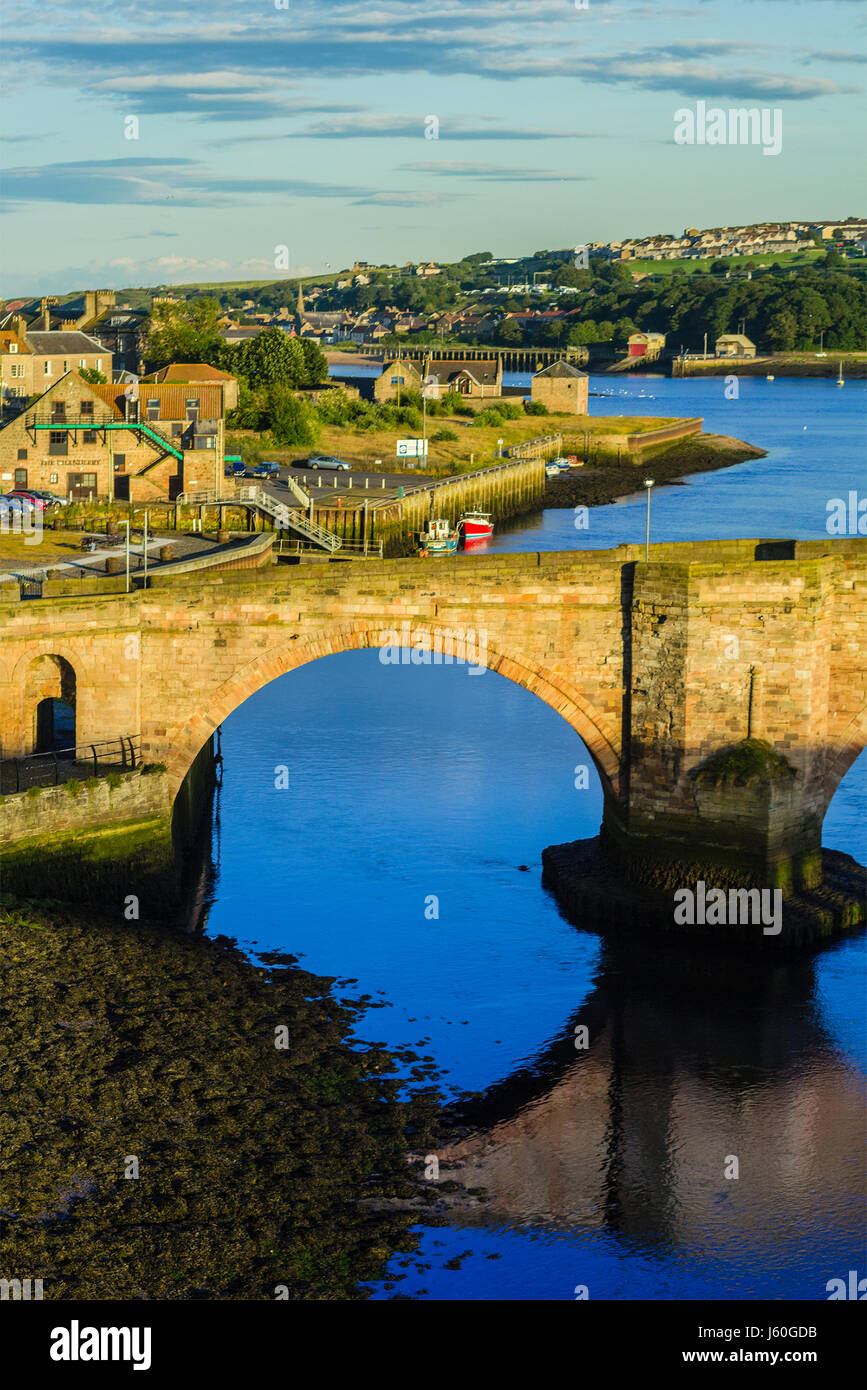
(159, 143)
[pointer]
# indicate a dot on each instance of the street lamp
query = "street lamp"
(126, 524)
(648, 483)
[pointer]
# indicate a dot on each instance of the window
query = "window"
(46, 370)
(22, 453)
(58, 442)
(86, 410)
(58, 412)
(66, 365)
(89, 437)
(13, 347)
(153, 408)
(119, 463)
(53, 477)
(82, 361)
(17, 368)
(193, 405)
(20, 477)
(88, 480)
(397, 381)
(99, 364)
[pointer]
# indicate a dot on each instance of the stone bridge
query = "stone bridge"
(720, 688)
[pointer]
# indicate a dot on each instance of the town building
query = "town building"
(104, 442)
(647, 345)
(31, 359)
(734, 345)
(475, 377)
(198, 373)
(396, 375)
(562, 388)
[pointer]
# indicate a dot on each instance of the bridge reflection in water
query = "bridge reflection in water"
(688, 1065)
(693, 1058)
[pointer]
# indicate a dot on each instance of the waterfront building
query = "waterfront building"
(562, 388)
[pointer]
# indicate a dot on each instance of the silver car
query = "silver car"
(326, 461)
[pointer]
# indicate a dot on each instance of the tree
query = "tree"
(184, 333)
(782, 330)
(292, 421)
(509, 332)
(92, 376)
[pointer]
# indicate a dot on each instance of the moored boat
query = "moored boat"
(475, 525)
(437, 538)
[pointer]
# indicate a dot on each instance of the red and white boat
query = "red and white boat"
(475, 526)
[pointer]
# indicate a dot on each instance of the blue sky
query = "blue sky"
(303, 124)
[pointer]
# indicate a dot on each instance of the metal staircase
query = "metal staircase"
(290, 518)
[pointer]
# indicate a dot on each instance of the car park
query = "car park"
(326, 461)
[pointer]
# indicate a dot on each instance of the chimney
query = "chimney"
(89, 306)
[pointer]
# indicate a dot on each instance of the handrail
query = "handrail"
(44, 769)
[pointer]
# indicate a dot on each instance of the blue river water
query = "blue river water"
(405, 856)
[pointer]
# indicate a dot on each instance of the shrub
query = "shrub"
(153, 767)
(114, 779)
(536, 408)
(34, 792)
(443, 436)
(72, 788)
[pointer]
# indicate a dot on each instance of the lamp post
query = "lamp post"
(648, 483)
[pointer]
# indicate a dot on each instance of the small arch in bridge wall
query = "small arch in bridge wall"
(49, 703)
(183, 742)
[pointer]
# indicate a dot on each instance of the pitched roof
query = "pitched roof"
(172, 398)
(485, 370)
(740, 338)
(559, 368)
(188, 371)
(70, 341)
(6, 338)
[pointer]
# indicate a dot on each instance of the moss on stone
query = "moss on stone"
(744, 764)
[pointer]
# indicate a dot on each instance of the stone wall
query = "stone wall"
(53, 811)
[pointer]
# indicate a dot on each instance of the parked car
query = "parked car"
(263, 470)
(326, 461)
(33, 498)
(236, 470)
(51, 499)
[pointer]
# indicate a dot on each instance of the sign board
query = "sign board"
(412, 448)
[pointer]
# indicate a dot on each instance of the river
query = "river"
(394, 859)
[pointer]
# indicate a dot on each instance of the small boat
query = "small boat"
(476, 525)
(437, 539)
(840, 381)
(769, 378)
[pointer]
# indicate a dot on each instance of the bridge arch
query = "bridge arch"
(850, 744)
(183, 741)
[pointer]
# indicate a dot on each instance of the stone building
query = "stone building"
(562, 388)
(32, 359)
(397, 375)
(478, 377)
(106, 442)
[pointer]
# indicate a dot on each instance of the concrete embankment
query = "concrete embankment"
(505, 489)
(604, 480)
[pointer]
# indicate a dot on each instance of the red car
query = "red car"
(32, 497)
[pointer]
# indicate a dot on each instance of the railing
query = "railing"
(70, 764)
(372, 549)
(283, 516)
